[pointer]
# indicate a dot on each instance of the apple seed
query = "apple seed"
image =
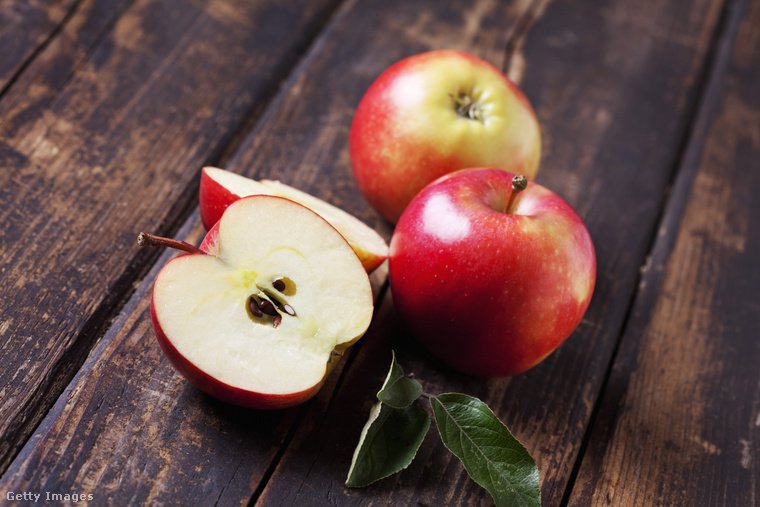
(268, 308)
(253, 305)
(283, 307)
(284, 285)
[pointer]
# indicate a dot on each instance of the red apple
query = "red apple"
(220, 188)
(490, 286)
(434, 113)
(256, 316)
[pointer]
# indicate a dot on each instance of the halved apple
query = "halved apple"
(255, 317)
(219, 188)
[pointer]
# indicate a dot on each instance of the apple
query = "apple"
(220, 188)
(256, 316)
(434, 113)
(489, 278)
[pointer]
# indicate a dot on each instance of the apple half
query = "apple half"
(257, 314)
(219, 188)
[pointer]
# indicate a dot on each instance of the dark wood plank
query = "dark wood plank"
(99, 143)
(27, 25)
(96, 393)
(614, 89)
(50, 57)
(315, 466)
(130, 410)
(302, 140)
(679, 423)
(131, 431)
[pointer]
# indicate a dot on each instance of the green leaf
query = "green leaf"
(491, 455)
(388, 443)
(399, 391)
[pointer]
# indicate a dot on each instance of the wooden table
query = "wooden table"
(650, 116)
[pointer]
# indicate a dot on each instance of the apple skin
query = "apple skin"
(490, 293)
(213, 200)
(407, 132)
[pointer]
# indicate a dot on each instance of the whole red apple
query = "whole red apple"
(488, 278)
(434, 113)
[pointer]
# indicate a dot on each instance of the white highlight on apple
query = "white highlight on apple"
(409, 90)
(442, 220)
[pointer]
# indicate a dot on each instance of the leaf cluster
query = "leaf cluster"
(397, 425)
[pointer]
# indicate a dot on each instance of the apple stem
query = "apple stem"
(519, 183)
(466, 107)
(145, 239)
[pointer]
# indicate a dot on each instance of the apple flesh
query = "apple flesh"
(489, 280)
(434, 113)
(220, 188)
(257, 321)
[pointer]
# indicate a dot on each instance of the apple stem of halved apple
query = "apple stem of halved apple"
(145, 239)
(519, 183)
(263, 303)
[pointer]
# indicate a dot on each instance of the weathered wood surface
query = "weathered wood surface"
(26, 27)
(103, 135)
(141, 103)
(610, 157)
(679, 423)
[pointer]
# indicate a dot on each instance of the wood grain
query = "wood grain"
(27, 26)
(128, 406)
(132, 431)
(615, 86)
(315, 466)
(102, 136)
(613, 113)
(303, 137)
(679, 422)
